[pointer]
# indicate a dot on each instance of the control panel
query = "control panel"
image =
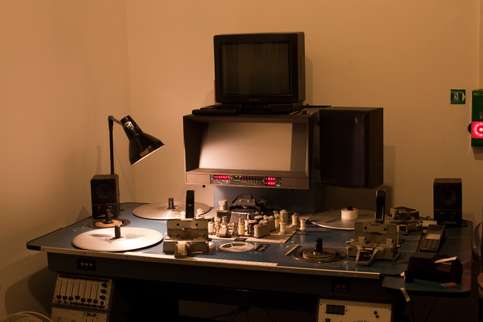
(242, 180)
(350, 311)
(78, 299)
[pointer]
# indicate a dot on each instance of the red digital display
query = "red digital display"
(219, 177)
(245, 180)
(270, 181)
(477, 130)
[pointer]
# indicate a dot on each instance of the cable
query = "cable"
(430, 310)
(412, 312)
(40, 316)
(409, 305)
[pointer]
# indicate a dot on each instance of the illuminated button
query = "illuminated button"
(477, 130)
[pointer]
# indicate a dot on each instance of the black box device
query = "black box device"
(448, 201)
(105, 195)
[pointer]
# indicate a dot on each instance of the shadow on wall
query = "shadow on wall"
(83, 213)
(309, 82)
(389, 171)
(33, 283)
(33, 292)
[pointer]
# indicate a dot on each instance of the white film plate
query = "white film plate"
(332, 219)
(131, 238)
(161, 211)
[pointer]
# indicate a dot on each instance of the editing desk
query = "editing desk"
(269, 272)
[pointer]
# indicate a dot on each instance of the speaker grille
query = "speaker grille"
(448, 200)
(104, 195)
(351, 146)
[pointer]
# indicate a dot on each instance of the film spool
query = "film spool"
(171, 210)
(331, 219)
(310, 255)
(349, 214)
(104, 224)
(117, 240)
(237, 247)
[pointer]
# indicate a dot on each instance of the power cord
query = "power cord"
(430, 310)
(31, 315)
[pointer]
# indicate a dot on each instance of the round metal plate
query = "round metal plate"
(160, 211)
(237, 247)
(310, 255)
(99, 223)
(131, 238)
(331, 219)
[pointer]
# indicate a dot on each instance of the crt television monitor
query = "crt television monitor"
(264, 68)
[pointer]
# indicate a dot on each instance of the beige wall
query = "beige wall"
(63, 69)
(66, 65)
(402, 55)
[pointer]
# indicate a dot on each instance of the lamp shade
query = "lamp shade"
(140, 144)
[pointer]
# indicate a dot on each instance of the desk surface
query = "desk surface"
(272, 260)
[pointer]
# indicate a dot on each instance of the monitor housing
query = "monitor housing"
(260, 69)
(249, 150)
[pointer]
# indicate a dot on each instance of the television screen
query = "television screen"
(256, 69)
(260, 68)
(247, 146)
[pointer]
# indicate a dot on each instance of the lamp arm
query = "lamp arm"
(111, 120)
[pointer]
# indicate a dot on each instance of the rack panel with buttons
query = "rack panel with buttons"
(82, 294)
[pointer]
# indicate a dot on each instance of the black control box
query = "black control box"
(448, 201)
(105, 195)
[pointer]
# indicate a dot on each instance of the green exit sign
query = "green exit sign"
(458, 96)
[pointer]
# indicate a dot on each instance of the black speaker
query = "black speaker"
(190, 204)
(380, 206)
(448, 201)
(105, 195)
(351, 146)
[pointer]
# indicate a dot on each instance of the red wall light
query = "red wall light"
(476, 130)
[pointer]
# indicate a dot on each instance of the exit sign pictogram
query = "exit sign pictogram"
(458, 96)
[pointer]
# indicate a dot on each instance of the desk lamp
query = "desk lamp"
(140, 144)
(105, 188)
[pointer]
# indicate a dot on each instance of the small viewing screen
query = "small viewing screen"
(247, 146)
(256, 69)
